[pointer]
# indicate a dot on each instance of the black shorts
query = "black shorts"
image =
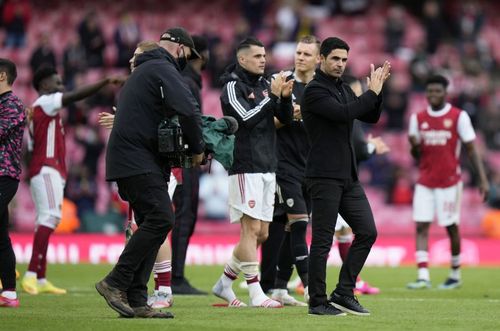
(291, 196)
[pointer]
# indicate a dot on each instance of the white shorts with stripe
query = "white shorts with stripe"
(443, 202)
(253, 195)
(47, 190)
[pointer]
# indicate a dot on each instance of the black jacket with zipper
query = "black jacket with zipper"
(329, 107)
(248, 98)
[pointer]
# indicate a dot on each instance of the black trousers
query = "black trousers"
(185, 198)
(8, 188)
(148, 196)
(269, 252)
(330, 197)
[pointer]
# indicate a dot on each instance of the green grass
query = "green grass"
(476, 306)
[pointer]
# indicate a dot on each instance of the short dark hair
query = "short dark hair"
(437, 79)
(9, 68)
(41, 74)
(249, 41)
(329, 44)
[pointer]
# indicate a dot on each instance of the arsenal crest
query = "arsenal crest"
(447, 123)
(251, 203)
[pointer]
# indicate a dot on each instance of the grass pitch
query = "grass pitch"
(476, 306)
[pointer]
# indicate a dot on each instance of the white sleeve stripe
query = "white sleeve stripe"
(239, 108)
(245, 115)
(51, 132)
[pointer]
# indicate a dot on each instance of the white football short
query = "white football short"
(253, 195)
(443, 202)
(47, 190)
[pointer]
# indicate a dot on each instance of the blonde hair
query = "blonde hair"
(147, 45)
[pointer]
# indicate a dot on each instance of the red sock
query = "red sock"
(38, 261)
(163, 274)
(344, 249)
(163, 279)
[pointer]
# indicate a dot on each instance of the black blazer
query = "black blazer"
(329, 107)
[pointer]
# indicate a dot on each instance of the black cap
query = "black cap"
(200, 45)
(180, 36)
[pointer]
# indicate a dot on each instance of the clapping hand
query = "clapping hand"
(107, 120)
(378, 76)
(380, 146)
(277, 84)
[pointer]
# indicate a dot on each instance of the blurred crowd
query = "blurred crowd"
(456, 38)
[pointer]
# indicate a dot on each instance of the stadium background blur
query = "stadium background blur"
(91, 39)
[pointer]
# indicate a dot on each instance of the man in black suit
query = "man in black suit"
(329, 107)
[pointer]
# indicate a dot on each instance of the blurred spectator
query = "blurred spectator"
(92, 39)
(400, 188)
(351, 7)
(394, 29)
(74, 61)
(293, 21)
(43, 55)
(16, 18)
(127, 35)
(305, 25)
(489, 123)
(381, 169)
(81, 188)
(420, 68)
(254, 12)
(434, 24)
(470, 19)
(395, 102)
(286, 19)
(88, 137)
(494, 197)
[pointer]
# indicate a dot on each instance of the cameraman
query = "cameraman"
(134, 162)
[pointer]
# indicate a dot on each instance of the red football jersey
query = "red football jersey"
(440, 134)
(47, 135)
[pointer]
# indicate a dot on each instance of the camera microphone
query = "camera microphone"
(232, 124)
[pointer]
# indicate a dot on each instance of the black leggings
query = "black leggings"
(8, 188)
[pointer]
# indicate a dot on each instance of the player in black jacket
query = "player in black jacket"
(254, 102)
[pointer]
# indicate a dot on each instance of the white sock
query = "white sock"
(42, 281)
(11, 295)
(423, 273)
(30, 274)
(164, 289)
(231, 271)
(251, 272)
(455, 274)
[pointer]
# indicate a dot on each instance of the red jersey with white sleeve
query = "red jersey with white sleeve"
(440, 134)
(47, 135)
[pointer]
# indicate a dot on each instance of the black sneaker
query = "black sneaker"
(148, 312)
(326, 309)
(348, 304)
(115, 298)
(184, 288)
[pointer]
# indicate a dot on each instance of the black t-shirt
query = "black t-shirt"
(292, 141)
